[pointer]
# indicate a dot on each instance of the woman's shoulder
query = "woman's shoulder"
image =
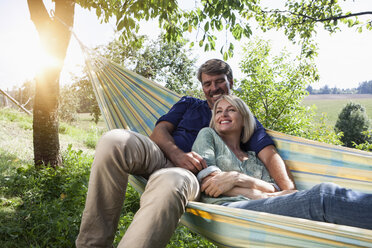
(210, 132)
(206, 136)
(206, 130)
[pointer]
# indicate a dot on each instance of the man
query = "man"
(167, 160)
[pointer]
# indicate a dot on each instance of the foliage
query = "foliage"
(25, 94)
(353, 122)
(322, 132)
(327, 90)
(68, 104)
(87, 99)
(298, 19)
(275, 86)
(89, 136)
(182, 237)
(366, 146)
(49, 203)
(169, 64)
(365, 87)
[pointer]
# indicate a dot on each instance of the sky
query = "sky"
(344, 58)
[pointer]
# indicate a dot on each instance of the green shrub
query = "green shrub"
(43, 208)
(322, 132)
(50, 203)
(367, 145)
(353, 122)
(91, 140)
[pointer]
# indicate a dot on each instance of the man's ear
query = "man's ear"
(231, 83)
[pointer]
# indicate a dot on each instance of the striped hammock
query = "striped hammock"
(133, 102)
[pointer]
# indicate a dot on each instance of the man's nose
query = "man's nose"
(213, 86)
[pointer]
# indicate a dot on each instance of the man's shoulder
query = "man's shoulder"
(193, 100)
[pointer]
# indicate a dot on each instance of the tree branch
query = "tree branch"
(39, 15)
(332, 18)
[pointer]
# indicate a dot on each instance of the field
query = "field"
(333, 104)
(42, 208)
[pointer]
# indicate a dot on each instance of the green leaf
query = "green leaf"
(121, 25)
(206, 27)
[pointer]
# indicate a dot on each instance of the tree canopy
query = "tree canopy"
(297, 18)
(274, 87)
(168, 63)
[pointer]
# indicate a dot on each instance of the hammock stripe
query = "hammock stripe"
(130, 101)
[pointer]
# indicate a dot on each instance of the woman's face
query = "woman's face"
(227, 119)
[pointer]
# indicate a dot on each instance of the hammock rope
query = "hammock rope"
(128, 100)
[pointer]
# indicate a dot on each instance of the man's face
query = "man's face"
(214, 86)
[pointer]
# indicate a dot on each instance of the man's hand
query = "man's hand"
(217, 183)
(190, 161)
(162, 136)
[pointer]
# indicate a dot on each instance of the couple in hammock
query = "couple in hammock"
(235, 161)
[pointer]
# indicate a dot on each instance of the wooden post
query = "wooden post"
(15, 102)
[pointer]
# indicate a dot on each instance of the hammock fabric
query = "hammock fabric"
(130, 101)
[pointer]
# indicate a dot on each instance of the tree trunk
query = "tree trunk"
(54, 37)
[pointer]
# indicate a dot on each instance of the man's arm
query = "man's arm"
(263, 145)
(162, 136)
(276, 167)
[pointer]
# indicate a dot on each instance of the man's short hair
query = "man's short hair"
(215, 67)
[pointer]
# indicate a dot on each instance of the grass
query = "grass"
(42, 208)
(332, 105)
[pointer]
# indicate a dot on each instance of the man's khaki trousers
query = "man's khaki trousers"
(119, 153)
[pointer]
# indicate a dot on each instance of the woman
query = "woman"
(236, 178)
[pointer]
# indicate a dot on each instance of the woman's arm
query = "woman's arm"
(221, 183)
(256, 194)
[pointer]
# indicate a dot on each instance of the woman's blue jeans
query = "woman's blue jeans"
(324, 202)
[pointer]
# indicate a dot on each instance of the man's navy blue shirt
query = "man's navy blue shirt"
(189, 115)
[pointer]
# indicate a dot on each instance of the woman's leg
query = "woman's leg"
(324, 202)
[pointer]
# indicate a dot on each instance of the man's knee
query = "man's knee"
(176, 181)
(114, 138)
(118, 144)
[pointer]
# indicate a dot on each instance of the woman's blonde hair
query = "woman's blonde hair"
(249, 122)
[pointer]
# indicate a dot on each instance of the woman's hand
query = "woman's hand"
(218, 183)
(283, 192)
(255, 194)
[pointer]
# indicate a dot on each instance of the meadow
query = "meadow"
(42, 208)
(332, 105)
